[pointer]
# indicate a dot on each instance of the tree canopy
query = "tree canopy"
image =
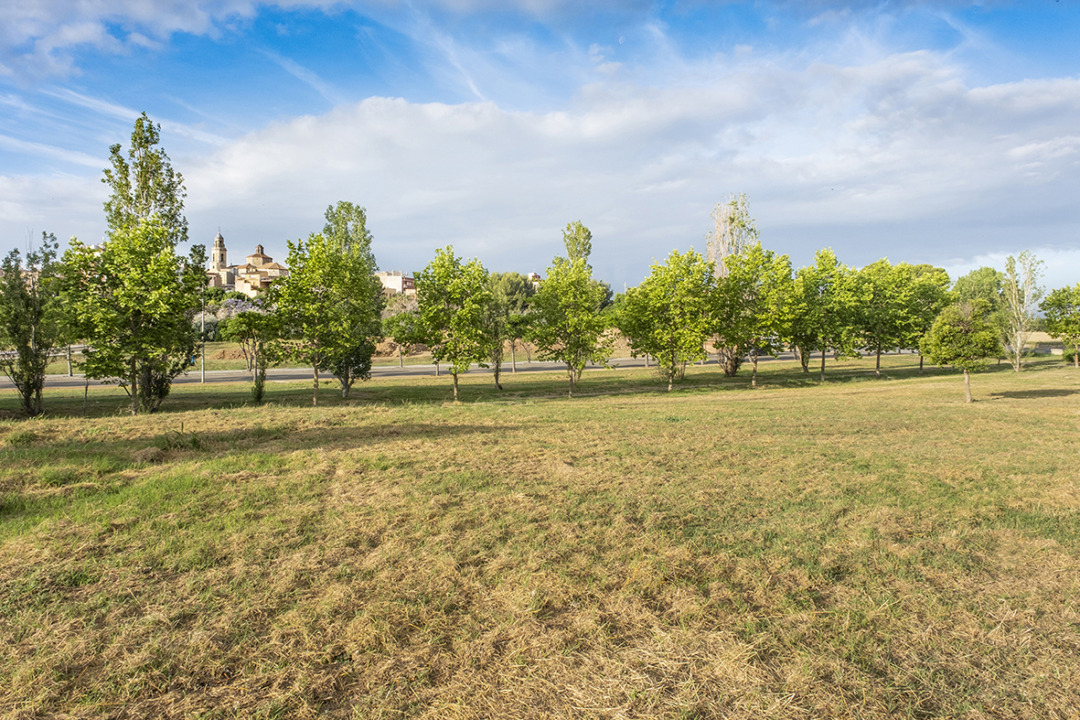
(454, 297)
(667, 315)
(567, 325)
(963, 336)
(330, 303)
(142, 184)
(132, 301)
(31, 320)
(1062, 310)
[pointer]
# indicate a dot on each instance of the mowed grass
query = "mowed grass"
(859, 548)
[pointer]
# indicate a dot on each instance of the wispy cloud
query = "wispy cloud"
(121, 112)
(35, 149)
(306, 76)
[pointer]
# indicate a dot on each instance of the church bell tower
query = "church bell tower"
(218, 255)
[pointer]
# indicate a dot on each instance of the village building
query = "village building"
(394, 282)
(256, 274)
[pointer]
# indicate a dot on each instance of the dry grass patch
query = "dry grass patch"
(858, 549)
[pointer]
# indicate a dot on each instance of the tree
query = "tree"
(132, 301)
(454, 297)
(984, 284)
(330, 303)
(929, 296)
(733, 231)
(896, 304)
(667, 315)
(30, 319)
(513, 293)
(578, 241)
(752, 304)
(1021, 294)
(822, 308)
(144, 184)
(963, 336)
(257, 332)
(567, 325)
(406, 329)
(1062, 309)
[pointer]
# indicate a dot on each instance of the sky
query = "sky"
(924, 132)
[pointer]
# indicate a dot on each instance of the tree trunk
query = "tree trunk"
(753, 374)
(400, 357)
(315, 392)
(570, 372)
(496, 371)
(646, 359)
(920, 363)
(436, 368)
(513, 357)
(1076, 357)
(454, 373)
(877, 367)
(967, 386)
(822, 363)
(134, 384)
(70, 373)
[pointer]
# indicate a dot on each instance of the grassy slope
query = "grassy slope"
(859, 549)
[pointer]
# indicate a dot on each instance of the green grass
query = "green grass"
(858, 548)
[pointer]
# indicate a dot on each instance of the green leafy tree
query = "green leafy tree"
(984, 284)
(567, 325)
(257, 332)
(330, 303)
(512, 292)
(1062, 311)
(668, 314)
(822, 309)
(895, 305)
(929, 296)
(1021, 294)
(963, 336)
(454, 297)
(31, 322)
(578, 241)
(752, 304)
(407, 330)
(132, 301)
(142, 184)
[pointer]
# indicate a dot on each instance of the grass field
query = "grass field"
(855, 549)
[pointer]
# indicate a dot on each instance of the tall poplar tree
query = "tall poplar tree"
(133, 298)
(567, 325)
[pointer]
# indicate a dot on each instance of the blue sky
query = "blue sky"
(941, 132)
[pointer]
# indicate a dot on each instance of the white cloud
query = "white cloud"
(890, 155)
(897, 159)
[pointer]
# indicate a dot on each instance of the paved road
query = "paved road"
(295, 374)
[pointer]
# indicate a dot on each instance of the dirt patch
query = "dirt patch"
(228, 354)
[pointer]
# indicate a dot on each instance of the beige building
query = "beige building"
(394, 282)
(257, 273)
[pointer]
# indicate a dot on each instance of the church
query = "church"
(257, 273)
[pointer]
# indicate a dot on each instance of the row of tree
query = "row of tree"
(132, 300)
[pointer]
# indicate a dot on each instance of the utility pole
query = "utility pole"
(202, 340)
